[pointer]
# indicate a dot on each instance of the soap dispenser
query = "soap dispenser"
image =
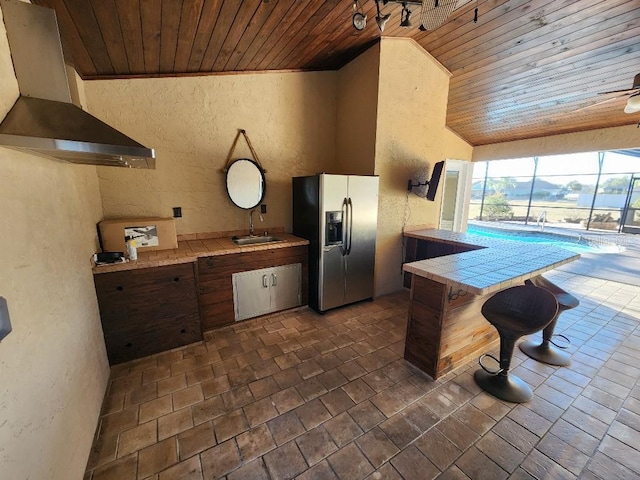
(132, 249)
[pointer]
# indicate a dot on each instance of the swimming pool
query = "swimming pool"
(578, 244)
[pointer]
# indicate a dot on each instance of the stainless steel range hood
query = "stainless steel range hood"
(43, 119)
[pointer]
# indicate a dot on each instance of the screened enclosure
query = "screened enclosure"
(592, 191)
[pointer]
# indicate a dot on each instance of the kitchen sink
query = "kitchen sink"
(252, 239)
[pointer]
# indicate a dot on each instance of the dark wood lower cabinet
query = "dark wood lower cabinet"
(216, 286)
(149, 310)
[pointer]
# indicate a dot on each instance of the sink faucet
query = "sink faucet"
(251, 221)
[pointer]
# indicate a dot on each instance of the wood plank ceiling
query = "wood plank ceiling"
(528, 68)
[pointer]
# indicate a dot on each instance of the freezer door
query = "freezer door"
(361, 246)
(331, 283)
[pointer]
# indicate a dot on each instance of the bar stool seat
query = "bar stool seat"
(548, 352)
(514, 312)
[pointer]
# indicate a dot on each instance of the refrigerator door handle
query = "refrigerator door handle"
(345, 220)
(350, 210)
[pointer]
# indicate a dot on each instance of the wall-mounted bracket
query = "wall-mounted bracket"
(5, 321)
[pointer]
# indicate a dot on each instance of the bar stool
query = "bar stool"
(546, 352)
(514, 312)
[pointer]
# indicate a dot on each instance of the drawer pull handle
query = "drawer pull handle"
(119, 288)
(129, 345)
(184, 330)
(274, 280)
(264, 281)
(176, 279)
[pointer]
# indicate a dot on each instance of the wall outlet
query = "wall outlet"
(5, 321)
(263, 208)
(177, 212)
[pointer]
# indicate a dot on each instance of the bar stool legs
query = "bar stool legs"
(498, 382)
(549, 352)
(514, 312)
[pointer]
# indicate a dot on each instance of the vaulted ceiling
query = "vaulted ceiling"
(528, 68)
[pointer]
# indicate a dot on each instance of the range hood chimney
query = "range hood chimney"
(44, 120)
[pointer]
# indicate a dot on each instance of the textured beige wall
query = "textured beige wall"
(357, 93)
(589, 141)
(455, 147)
(412, 105)
(191, 122)
(53, 365)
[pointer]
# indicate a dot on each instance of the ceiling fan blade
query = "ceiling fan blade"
(622, 92)
(634, 88)
(599, 103)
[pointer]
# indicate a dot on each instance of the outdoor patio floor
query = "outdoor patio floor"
(302, 395)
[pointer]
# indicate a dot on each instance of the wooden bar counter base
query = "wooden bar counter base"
(444, 333)
(446, 328)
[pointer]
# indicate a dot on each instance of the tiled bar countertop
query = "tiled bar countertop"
(190, 250)
(495, 265)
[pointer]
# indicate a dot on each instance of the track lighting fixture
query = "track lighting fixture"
(358, 18)
(433, 13)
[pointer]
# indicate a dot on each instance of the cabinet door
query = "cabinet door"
(251, 296)
(285, 287)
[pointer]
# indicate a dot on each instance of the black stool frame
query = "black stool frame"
(514, 312)
(548, 352)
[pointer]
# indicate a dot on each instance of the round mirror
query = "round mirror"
(245, 183)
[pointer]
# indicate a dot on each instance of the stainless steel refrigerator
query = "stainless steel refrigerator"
(338, 214)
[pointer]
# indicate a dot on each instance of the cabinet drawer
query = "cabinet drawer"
(155, 317)
(207, 264)
(241, 262)
(126, 344)
(132, 287)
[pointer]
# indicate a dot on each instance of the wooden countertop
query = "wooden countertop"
(493, 266)
(190, 250)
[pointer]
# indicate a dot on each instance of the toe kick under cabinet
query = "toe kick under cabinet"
(148, 310)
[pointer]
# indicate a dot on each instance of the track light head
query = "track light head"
(382, 21)
(359, 19)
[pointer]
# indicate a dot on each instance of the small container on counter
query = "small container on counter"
(132, 250)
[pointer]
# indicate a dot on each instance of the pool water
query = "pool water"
(574, 244)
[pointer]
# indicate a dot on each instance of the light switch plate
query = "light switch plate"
(5, 321)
